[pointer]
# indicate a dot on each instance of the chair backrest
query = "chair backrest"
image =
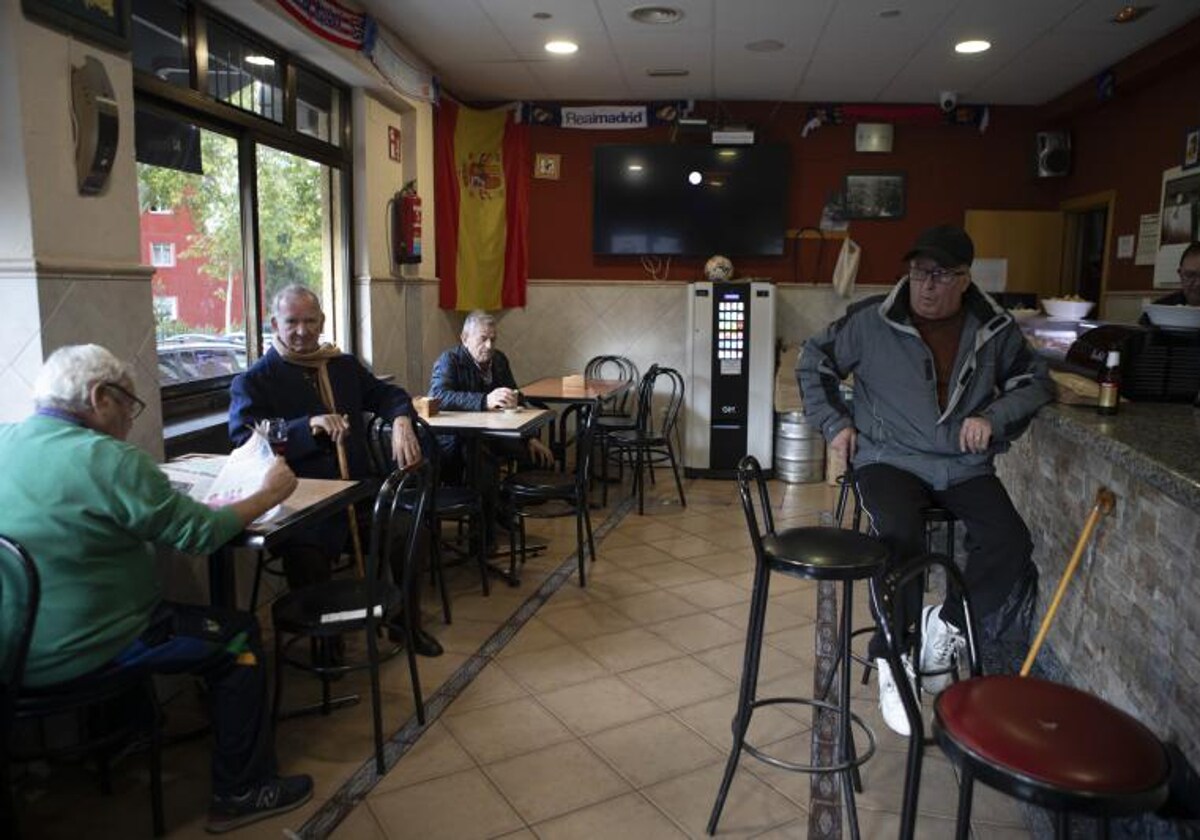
(750, 479)
(402, 499)
(614, 367)
(379, 445)
(674, 397)
(887, 594)
(20, 596)
(584, 435)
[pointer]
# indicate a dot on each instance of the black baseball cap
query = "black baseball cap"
(947, 245)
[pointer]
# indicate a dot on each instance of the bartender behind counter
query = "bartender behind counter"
(1189, 282)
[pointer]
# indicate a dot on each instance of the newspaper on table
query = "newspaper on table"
(219, 480)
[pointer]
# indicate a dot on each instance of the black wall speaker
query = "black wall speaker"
(1053, 154)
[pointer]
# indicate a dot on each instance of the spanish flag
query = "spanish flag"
(482, 188)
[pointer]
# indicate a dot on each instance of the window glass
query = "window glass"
(160, 44)
(318, 107)
(200, 292)
(243, 73)
(296, 224)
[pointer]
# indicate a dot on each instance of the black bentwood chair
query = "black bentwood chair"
(343, 606)
(649, 443)
(614, 413)
(1039, 741)
(544, 494)
(99, 702)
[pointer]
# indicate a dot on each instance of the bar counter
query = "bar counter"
(1129, 626)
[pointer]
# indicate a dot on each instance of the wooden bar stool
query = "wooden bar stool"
(813, 553)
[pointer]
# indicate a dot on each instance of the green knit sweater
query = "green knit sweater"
(86, 506)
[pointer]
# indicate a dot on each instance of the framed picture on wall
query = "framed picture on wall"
(105, 23)
(874, 195)
(1191, 148)
(1179, 222)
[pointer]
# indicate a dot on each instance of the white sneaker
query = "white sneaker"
(940, 644)
(890, 704)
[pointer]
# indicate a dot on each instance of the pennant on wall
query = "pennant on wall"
(601, 116)
(819, 115)
(482, 189)
(330, 20)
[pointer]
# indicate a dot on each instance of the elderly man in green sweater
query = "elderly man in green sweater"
(87, 505)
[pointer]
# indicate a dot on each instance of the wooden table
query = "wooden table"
(313, 499)
(573, 389)
(474, 426)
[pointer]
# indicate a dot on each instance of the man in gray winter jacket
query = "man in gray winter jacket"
(943, 382)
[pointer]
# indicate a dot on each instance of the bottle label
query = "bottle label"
(1108, 395)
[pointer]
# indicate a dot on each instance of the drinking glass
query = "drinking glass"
(277, 435)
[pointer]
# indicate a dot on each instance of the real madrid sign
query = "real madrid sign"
(605, 116)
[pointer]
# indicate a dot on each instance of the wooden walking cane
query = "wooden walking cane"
(1103, 506)
(355, 539)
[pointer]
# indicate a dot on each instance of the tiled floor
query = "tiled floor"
(606, 715)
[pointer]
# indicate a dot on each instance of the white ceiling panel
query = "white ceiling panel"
(833, 50)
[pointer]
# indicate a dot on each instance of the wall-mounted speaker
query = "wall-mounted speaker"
(1052, 157)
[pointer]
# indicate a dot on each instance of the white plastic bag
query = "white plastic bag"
(846, 269)
(243, 473)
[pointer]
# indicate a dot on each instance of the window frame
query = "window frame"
(250, 130)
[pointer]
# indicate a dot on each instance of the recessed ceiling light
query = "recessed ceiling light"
(260, 60)
(765, 45)
(635, 167)
(542, 16)
(973, 46)
(656, 14)
(890, 13)
(1128, 14)
(667, 72)
(562, 47)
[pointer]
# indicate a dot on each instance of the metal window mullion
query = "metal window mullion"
(251, 264)
(198, 48)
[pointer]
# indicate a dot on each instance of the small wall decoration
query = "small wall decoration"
(105, 23)
(547, 166)
(394, 143)
(1191, 148)
(874, 195)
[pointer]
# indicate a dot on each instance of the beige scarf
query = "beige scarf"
(318, 360)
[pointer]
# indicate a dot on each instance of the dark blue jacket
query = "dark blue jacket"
(275, 388)
(458, 382)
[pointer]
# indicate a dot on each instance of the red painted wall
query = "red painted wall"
(1123, 144)
(949, 169)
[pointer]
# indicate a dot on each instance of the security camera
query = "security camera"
(947, 101)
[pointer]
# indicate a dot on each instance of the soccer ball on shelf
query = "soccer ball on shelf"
(718, 269)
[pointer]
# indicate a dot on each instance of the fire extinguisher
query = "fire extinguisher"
(406, 225)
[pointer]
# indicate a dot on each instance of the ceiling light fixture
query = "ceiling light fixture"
(765, 45)
(260, 60)
(562, 47)
(973, 46)
(656, 14)
(1128, 14)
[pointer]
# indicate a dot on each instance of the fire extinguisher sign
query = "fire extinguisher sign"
(394, 143)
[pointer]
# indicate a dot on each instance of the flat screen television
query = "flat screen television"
(696, 200)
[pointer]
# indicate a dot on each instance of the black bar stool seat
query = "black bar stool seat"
(1052, 744)
(814, 553)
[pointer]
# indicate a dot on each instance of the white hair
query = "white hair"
(67, 377)
(294, 290)
(477, 319)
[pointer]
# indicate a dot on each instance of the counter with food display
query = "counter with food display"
(1129, 627)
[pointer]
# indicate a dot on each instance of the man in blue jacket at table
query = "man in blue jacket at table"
(943, 382)
(323, 394)
(475, 376)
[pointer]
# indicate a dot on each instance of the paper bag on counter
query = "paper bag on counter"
(846, 269)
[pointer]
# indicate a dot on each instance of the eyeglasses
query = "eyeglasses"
(941, 276)
(1189, 278)
(136, 406)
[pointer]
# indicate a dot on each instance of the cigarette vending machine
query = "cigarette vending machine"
(731, 354)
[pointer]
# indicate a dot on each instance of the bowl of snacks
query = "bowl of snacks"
(1023, 314)
(1069, 308)
(1178, 316)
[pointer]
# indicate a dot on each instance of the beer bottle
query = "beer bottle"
(1110, 383)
